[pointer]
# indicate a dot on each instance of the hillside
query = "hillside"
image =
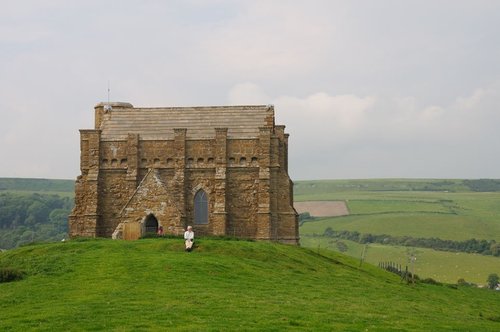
(223, 285)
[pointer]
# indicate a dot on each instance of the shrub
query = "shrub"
(430, 281)
(9, 274)
(493, 280)
(341, 246)
(462, 282)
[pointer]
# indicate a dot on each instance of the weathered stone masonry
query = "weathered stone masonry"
(222, 169)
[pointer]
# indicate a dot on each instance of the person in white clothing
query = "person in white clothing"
(189, 238)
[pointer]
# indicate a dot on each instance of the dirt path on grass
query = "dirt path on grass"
(322, 208)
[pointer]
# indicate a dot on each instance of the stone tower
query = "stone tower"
(222, 169)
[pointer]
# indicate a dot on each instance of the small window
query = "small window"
(210, 160)
(190, 162)
(156, 162)
(105, 162)
(170, 162)
(200, 208)
(200, 161)
(243, 161)
(231, 161)
(114, 162)
(255, 161)
(123, 162)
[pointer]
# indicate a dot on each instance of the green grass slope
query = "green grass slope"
(223, 285)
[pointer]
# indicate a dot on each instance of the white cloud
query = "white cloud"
(472, 101)
(340, 135)
(269, 37)
(247, 93)
(327, 114)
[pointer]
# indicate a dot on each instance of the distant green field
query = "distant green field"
(447, 209)
(442, 266)
(25, 193)
(437, 185)
(106, 285)
(456, 215)
(22, 185)
(450, 227)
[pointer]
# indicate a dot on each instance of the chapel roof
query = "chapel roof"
(200, 122)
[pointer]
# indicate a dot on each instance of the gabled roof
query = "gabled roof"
(200, 122)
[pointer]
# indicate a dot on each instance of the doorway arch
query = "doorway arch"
(151, 224)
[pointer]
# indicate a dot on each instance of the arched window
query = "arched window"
(200, 208)
(151, 224)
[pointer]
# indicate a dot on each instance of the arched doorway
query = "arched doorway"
(151, 224)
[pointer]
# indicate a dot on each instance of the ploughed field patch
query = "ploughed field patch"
(323, 208)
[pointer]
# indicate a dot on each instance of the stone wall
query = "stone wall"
(242, 206)
(245, 179)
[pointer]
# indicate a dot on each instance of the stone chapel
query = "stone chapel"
(221, 169)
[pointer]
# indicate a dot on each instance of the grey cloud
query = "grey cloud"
(366, 89)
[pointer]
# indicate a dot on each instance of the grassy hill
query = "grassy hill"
(224, 285)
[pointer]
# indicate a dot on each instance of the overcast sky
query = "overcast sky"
(366, 89)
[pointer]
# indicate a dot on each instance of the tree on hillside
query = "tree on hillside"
(495, 249)
(493, 281)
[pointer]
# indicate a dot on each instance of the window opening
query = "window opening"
(200, 208)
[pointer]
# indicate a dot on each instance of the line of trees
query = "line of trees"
(26, 218)
(483, 185)
(484, 247)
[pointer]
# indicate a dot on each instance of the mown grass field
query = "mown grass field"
(224, 285)
(400, 207)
